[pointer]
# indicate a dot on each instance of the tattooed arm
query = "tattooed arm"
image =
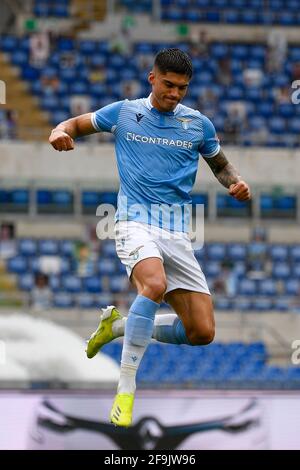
(228, 176)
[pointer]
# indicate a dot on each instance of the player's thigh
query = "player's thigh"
(196, 312)
(149, 277)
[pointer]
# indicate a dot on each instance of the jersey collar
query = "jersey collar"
(150, 106)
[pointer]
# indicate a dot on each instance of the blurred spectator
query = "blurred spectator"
(225, 74)
(97, 74)
(253, 77)
(277, 50)
(7, 240)
(67, 60)
(130, 89)
(259, 136)
(282, 95)
(226, 282)
(208, 103)
(296, 71)
(257, 251)
(85, 260)
(41, 295)
(8, 124)
(39, 46)
(80, 104)
(121, 42)
(199, 44)
(235, 122)
(145, 61)
(50, 84)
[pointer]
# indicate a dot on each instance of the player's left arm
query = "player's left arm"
(228, 176)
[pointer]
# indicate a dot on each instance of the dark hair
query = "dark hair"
(174, 60)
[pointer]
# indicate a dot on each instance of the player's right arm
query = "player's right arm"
(62, 137)
(102, 120)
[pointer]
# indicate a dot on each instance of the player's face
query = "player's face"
(168, 89)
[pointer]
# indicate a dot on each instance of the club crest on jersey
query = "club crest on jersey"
(184, 122)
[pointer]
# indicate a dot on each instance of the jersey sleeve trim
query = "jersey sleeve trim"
(212, 154)
(94, 122)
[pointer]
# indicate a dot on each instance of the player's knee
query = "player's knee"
(202, 336)
(155, 289)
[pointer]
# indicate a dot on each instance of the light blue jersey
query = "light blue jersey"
(157, 157)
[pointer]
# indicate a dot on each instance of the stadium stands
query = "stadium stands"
(239, 280)
(235, 365)
(265, 115)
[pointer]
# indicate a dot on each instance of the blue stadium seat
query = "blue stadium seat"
(109, 248)
(105, 298)
(237, 251)
(26, 282)
(60, 11)
(212, 268)
(119, 283)
(240, 52)
(65, 44)
(268, 287)
(63, 300)
(27, 247)
(66, 248)
(42, 9)
(277, 125)
(34, 264)
(216, 251)
(247, 287)
(54, 283)
(281, 270)
(17, 265)
(106, 266)
(193, 16)
(92, 284)
(87, 47)
(282, 304)
(278, 252)
(71, 283)
(292, 287)
(8, 43)
(48, 247)
(223, 303)
(212, 16)
(287, 18)
(19, 58)
(295, 253)
(78, 87)
(85, 300)
(231, 17)
(262, 304)
(294, 125)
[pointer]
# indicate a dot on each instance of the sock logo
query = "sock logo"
(134, 358)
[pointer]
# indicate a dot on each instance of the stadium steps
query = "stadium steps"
(32, 123)
(88, 10)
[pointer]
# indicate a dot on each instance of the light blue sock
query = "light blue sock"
(169, 328)
(137, 336)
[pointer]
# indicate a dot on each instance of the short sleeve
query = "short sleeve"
(210, 146)
(106, 118)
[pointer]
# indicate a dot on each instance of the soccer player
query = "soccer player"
(158, 142)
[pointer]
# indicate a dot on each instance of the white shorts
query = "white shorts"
(136, 241)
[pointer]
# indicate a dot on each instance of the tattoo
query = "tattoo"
(224, 171)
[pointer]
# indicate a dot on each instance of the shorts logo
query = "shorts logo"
(135, 253)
